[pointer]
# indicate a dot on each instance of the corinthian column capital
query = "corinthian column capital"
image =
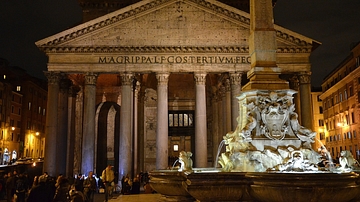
(163, 78)
(53, 77)
(235, 78)
(200, 78)
(90, 78)
(305, 78)
(127, 79)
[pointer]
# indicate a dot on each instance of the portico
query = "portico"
(151, 58)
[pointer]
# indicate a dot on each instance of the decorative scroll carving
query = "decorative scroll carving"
(163, 78)
(227, 85)
(305, 78)
(90, 79)
(53, 77)
(294, 83)
(127, 79)
(235, 78)
(200, 78)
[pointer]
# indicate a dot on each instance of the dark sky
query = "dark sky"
(334, 23)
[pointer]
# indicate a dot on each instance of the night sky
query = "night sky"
(334, 23)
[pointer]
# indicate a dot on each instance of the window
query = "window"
(345, 95)
(322, 136)
(29, 105)
(321, 122)
(349, 135)
(344, 136)
(39, 110)
(352, 117)
(12, 108)
(318, 98)
(180, 120)
(354, 133)
(12, 122)
(340, 95)
(18, 88)
(19, 111)
(44, 112)
(321, 110)
(351, 91)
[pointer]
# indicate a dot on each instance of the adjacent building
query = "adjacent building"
(22, 113)
(341, 105)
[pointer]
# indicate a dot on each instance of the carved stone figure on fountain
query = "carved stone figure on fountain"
(247, 130)
(347, 161)
(298, 163)
(185, 161)
(305, 135)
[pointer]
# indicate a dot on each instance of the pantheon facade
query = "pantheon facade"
(136, 86)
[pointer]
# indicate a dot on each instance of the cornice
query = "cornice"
(165, 49)
(137, 8)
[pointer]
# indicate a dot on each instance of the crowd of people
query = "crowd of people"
(19, 187)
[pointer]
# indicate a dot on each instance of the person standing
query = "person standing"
(90, 187)
(107, 178)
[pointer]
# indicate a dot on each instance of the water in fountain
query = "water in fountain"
(325, 153)
(221, 145)
(177, 160)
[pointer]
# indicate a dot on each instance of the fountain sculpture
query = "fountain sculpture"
(268, 159)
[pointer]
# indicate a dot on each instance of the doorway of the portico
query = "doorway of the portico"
(107, 127)
(181, 134)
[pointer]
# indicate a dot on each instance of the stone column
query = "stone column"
(235, 80)
(228, 111)
(61, 142)
(136, 134)
(141, 126)
(162, 121)
(200, 122)
(305, 100)
(51, 123)
(88, 141)
(126, 149)
(294, 84)
(71, 131)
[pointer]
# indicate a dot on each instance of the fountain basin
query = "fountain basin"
(217, 186)
(256, 186)
(303, 186)
(169, 183)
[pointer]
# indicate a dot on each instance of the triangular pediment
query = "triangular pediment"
(157, 24)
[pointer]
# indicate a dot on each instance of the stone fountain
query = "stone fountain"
(268, 157)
